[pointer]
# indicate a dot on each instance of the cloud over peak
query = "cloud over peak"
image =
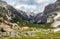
(35, 6)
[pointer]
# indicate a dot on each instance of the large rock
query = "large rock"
(6, 30)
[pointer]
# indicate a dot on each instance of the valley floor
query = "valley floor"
(27, 30)
(32, 33)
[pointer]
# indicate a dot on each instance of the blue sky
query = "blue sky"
(35, 6)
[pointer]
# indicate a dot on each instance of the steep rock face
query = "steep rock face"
(56, 22)
(48, 12)
(30, 15)
(52, 10)
(51, 14)
(52, 7)
(10, 12)
(47, 16)
(7, 12)
(40, 18)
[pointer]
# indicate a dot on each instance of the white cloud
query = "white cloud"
(42, 1)
(30, 5)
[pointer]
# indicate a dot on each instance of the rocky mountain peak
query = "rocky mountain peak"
(58, 0)
(11, 12)
(52, 7)
(49, 9)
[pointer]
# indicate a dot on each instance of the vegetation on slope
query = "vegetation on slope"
(35, 31)
(23, 23)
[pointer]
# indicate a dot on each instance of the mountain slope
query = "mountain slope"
(20, 28)
(48, 13)
(10, 12)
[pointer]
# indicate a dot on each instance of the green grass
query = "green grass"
(29, 24)
(35, 31)
(44, 34)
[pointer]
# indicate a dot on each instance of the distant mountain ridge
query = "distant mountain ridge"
(43, 17)
(11, 12)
